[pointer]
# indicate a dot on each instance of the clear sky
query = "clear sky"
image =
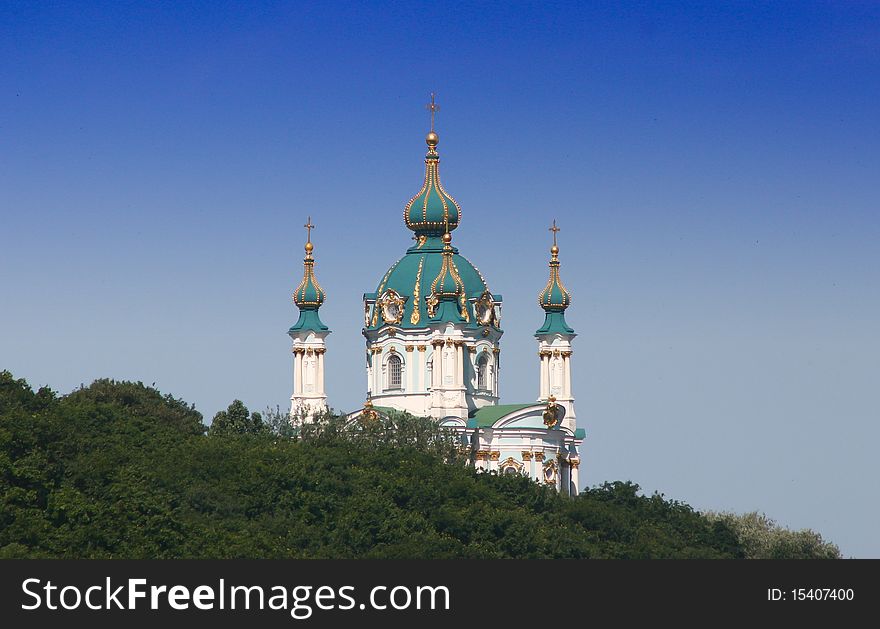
(714, 168)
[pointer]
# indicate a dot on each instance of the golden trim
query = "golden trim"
(379, 292)
(527, 455)
(415, 317)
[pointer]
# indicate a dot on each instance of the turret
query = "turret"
(554, 341)
(308, 335)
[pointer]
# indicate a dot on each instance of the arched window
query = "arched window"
(483, 372)
(394, 371)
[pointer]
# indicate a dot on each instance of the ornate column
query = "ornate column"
(422, 367)
(575, 464)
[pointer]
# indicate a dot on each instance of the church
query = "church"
(433, 330)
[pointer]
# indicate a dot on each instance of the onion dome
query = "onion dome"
(447, 300)
(309, 295)
(432, 211)
(554, 299)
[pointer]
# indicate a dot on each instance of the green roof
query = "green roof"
(554, 323)
(309, 320)
(423, 262)
(488, 415)
(432, 210)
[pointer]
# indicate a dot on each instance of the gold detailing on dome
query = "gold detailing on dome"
(422, 348)
(447, 268)
(546, 295)
(410, 348)
(527, 455)
(392, 305)
(494, 455)
(484, 309)
(431, 183)
(299, 295)
(539, 456)
(415, 317)
(379, 292)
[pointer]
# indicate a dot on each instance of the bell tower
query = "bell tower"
(308, 335)
(554, 341)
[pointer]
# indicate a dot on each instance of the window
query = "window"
(394, 370)
(483, 372)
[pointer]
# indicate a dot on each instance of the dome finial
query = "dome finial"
(309, 227)
(432, 138)
(554, 250)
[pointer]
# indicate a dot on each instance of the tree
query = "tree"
(236, 420)
(762, 538)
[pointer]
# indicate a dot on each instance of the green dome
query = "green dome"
(308, 297)
(554, 299)
(411, 279)
(432, 211)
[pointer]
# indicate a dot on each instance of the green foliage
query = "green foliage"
(762, 538)
(117, 469)
(237, 420)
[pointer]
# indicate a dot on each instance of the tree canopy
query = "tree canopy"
(117, 469)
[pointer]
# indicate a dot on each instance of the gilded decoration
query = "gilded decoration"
(527, 455)
(392, 306)
(415, 316)
(551, 413)
(494, 455)
(551, 471)
(381, 287)
(511, 466)
(484, 308)
(539, 456)
(368, 414)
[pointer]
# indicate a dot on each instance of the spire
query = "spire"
(554, 299)
(447, 300)
(432, 211)
(309, 295)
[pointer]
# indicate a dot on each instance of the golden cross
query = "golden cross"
(309, 228)
(554, 229)
(433, 108)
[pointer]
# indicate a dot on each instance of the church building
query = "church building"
(433, 347)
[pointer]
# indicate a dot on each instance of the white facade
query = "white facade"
(309, 397)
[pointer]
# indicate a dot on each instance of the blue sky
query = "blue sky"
(713, 168)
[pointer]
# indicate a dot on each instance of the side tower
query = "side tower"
(554, 341)
(308, 335)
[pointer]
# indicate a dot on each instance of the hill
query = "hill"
(117, 469)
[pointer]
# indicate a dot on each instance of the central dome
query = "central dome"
(410, 278)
